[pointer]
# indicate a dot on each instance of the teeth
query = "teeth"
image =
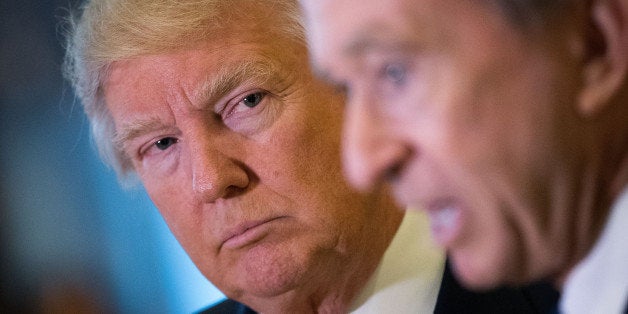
(445, 221)
(445, 217)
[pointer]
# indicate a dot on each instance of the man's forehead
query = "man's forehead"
(348, 25)
(134, 108)
(406, 26)
(332, 48)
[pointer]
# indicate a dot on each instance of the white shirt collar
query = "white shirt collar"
(599, 284)
(409, 275)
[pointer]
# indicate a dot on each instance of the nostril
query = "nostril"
(397, 166)
(392, 173)
(241, 180)
(233, 191)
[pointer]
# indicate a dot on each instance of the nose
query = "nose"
(215, 175)
(372, 152)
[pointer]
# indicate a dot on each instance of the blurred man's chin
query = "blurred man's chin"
(475, 273)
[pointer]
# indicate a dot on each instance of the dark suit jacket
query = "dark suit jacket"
(228, 306)
(454, 299)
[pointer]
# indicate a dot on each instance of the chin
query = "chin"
(270, 277)
(245, 285)
(269, 286)
(476, 273)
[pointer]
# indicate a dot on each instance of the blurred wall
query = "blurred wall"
(71, 239)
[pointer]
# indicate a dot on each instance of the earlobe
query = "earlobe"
(605, 67)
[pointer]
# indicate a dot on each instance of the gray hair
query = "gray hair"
(111, 30)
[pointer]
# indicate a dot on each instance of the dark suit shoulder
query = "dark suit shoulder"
(454, 298)
(227, 306)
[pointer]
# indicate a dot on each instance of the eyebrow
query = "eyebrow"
(130, 131)
(229, 77)
(366, 43)
(377, 37)
(214, 87)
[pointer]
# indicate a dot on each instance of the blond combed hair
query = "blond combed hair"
(112, 30)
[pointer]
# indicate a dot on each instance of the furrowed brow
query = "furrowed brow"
(133, 130)
(214, 87)
(230, 77)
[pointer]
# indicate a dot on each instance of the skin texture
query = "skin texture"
(247, 172)
(510, 139)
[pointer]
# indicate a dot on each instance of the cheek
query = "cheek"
(187, 223)
(305, 159)
(173, 203)
(305, 147)
(306, 170)
(169, 206)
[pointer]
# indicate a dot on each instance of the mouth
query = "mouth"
(247, 233)
(445, 221)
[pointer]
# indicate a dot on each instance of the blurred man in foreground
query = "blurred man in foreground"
(506, 120)
(213, 105)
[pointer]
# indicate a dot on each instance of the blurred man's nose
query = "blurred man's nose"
(371, 151)
(216, 175)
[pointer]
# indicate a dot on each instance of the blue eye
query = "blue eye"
(395, 73)
(164, 143)
(253, 100)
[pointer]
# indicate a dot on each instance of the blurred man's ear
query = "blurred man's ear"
(606, 59)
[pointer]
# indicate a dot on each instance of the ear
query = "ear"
(606, 60)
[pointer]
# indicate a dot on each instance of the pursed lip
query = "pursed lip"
(246, 233)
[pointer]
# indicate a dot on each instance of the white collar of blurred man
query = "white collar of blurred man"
(600, 283)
